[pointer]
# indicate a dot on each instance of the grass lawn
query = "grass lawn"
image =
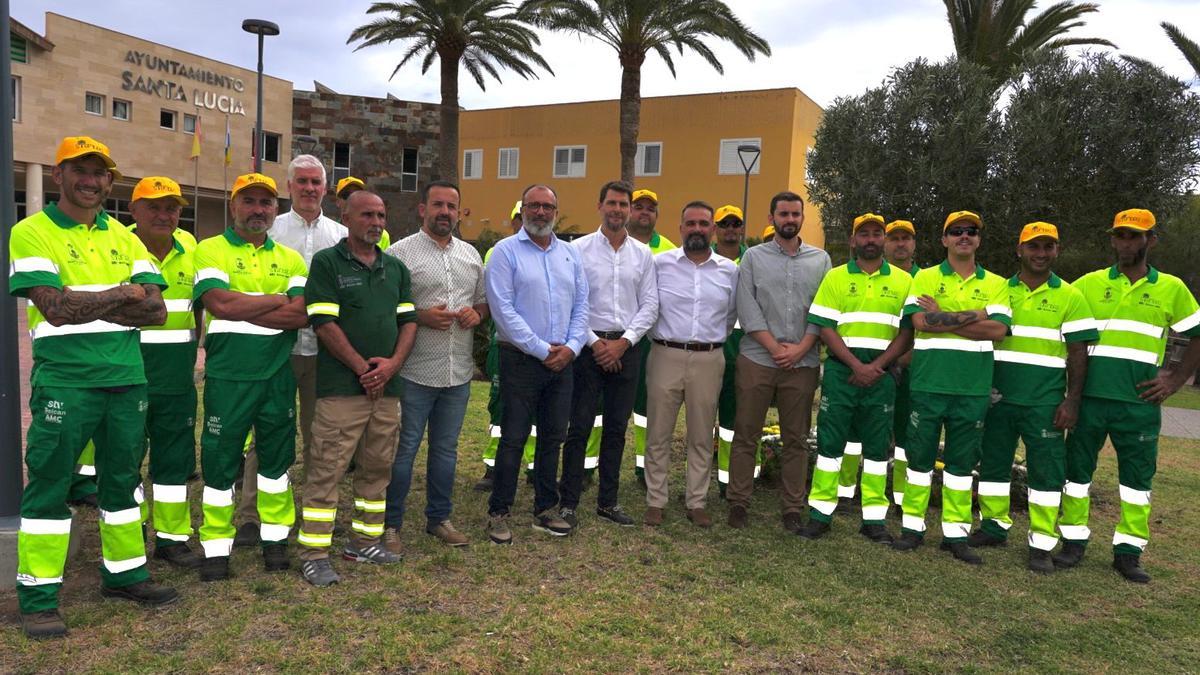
(1187, 397)
(678, 598)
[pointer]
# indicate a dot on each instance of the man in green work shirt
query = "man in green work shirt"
(731, 230)
(1044, 356)
(252, 289)
(900, 249)
(89, 283)
(858, 308)
(1134, 305)
(958, 310)
(642, 220)
(169, 352)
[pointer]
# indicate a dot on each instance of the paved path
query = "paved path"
(1181, 423)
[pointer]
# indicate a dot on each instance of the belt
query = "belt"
(609, 334)
(691, 346)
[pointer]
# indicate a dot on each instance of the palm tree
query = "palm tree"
(996, 35)
(634, 28)
(479, 35)
(1189, 49)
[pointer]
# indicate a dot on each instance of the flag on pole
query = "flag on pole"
(196, 140)
(228, 144)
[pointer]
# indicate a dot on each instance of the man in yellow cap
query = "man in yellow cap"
(768, 233)
(958, 310)
(1039, 375)
(90, 283)
(169, 352)
(642, 220)
(252, 289)
(899, 250)
(1135, 306)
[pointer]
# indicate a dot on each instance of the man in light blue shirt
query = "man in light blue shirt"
(538, 295)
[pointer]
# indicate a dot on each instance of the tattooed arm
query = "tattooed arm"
(63, 307)
(150, 311)
(946, 322)
(1067, 413)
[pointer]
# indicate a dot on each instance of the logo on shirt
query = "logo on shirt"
(853, 289)
(276, 271)
(1046, 306)
(941, 289)
(887, 292)
(182, 279)
(239, 265)
(115, 257)
(978, 294)
(73, 254)
(349, 281)
(1108, 295)
(1149, 301)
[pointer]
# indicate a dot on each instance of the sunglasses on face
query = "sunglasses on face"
(729, 223)
(960, 231)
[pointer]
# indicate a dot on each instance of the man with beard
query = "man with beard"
(348, 186)
(622, 306)
(731, 230)
(538, 294)
(899, 249)
(858, 309)
(1134, 305)
(958, 310)
(447, 289)
(642, 221)
(1044, 356)
(90, 284)
(697, 309)
(358, 300)
(779, 361)
(252, 290)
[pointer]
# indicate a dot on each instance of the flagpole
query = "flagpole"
(225, 177)
(196, 183)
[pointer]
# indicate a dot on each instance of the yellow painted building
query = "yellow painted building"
(687, 149)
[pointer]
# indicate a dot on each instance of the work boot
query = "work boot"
(1040, 562)
(178, 555)
(961, 551)
(876, 533)
(1070, 555)
(215, 568)
(793, 522)
(145, 593)
(981, 538)
(42, 625)
(485, 483)
(813, 529)
(498, 530)
(319, 572)
(1130, 567)
(908, 541)
(739, 518)
(247, 535)
(275, 558)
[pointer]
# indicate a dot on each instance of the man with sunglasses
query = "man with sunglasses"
(731, 230)
(958, 310)
(1134, 305)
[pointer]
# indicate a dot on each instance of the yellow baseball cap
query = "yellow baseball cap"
(905, 225)
(73, 147)
(254, 180)
(516, 210)
(1038, 229)
(155, 187)
(768, 231)
(1134, 219)
(969, 216)
(644, 194)
(864, 219)
(724, 212)
(347, 185)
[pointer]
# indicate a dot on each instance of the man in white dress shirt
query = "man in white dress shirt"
(622, 306)
(697, 309)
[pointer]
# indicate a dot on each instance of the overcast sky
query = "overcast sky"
(827, 48)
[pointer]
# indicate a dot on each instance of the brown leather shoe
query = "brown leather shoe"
(391, 541)
(792, 522)
(449, 536)
(738, 517)
(653, 517)
(699, 517)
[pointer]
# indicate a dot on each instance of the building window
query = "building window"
(119, 209)
(166, 119)
(93, 104)
(729, 163)
(472, 164)
(341, 161)
(570, 161)
(20, 49)
(189, 123)
(19, 199)
(270, 146)
(408, 171)
(121, 109)
(648, 161)
(510, 163)
(16, 98)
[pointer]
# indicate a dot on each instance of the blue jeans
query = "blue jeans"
(442, 410)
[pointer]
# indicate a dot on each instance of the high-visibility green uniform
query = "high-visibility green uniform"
(1031, 377)
(727, 400)
(88, 382)
(951, 385)
(866, 311)
(900, 427)
(169, 352)
(1133, 318)
(658, 244)
(248, 383)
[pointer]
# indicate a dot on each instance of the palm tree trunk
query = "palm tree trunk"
(631, 117)
(446, 167)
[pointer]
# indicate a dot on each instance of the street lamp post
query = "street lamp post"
(262, 29)
(11, 476)
(751, 151)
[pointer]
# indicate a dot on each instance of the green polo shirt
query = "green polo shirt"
(659, 243)
(241, 350)
(169, 350)
(1031, 363)
(945, 363)
(866, 309)
(1133, 318)
(50, 249)
(369, 304)
(736, 261)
